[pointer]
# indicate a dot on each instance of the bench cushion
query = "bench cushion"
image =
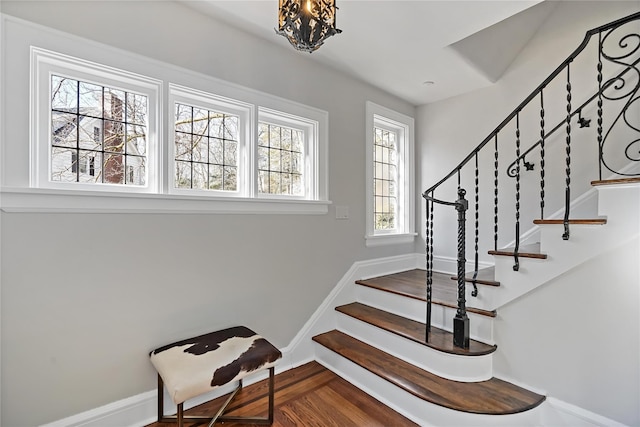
(197, 365)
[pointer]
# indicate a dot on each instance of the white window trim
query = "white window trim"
(44, 64)
(18, 197)
(310, 152)
(246, 113)
(405, 232)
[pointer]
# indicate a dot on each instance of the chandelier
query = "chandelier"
(307, 23)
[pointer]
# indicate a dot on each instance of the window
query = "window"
(288, 155)
(90, 122)
(280, 158)
(96, 128)
(390, 207)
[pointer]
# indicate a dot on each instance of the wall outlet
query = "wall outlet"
(342, 212)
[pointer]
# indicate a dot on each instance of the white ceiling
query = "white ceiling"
(398, 45)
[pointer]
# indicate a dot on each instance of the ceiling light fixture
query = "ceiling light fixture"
(307, 23)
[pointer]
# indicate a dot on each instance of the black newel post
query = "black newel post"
(461, 321)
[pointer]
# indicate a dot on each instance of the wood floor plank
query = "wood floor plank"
(298, 398)
(491, 397)
(439, 339)
(413, 284)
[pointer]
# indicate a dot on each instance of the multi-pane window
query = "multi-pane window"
(98, 133)
(389, 184)
(206, 149)
(280, 160)
(97, 129)
(385, 177)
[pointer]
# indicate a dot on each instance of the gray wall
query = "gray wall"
(86, 296)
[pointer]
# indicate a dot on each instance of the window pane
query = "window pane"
(113, 168)
(230, 178)
(114, 104)
(63, 129)
(200, 121)
(216, 151)
(136, 170)
(64, 94)
(136, 108)
(113, 136)
(213, 148)
(200, 149)
(385, 179)
(200, 176)
(90, 133)
(136, 140)
(64, 165)
(216, 177)
(183, 174)
(183, 118)
(231, 153)
(90, 100)
(90, 166)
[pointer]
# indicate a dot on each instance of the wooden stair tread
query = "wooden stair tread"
(633, 180)
(525, 251)
(491, 397)
(413, 284)
(486, 276)
(439, 339)
(593, 221)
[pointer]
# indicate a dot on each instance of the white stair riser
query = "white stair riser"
(480, 327)
(450, 366)
(422, 412)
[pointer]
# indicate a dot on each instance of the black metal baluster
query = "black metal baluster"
(542, 134)
(516, 265)
(430, 266)
(461, 320)
(567, 198)
(474, 293)
(495, 195)
(599, 130)
(427, 251)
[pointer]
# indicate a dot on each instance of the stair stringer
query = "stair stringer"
(619, 204)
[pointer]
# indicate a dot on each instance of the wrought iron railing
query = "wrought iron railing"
(619, 86)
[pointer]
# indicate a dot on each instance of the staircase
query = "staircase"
(440, 371)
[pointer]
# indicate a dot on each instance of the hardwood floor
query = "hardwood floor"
(308, 396)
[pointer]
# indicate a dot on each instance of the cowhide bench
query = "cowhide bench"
(194, 366)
